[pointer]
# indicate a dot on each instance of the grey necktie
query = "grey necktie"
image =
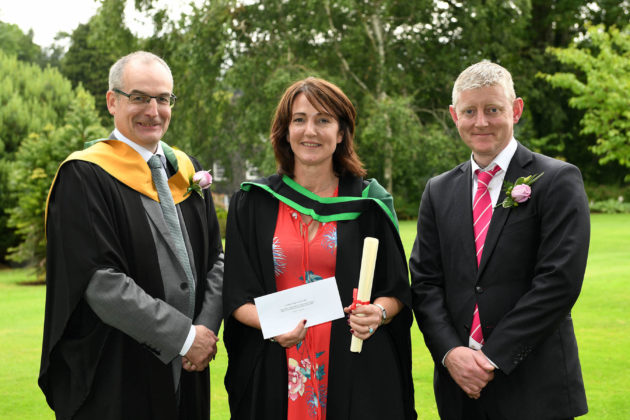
(172, 221)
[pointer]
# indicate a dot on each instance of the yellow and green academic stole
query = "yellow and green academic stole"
(126, 165)
(326, 209)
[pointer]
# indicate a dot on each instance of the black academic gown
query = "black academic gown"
(89, 369)
(373, 384)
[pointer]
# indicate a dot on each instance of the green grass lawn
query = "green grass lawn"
(601, 318)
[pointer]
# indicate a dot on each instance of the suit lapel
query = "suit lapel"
(154, 211)
(462, 215)
(194, 213)
(517, 168)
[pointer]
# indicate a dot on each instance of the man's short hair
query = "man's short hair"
(484, 73)
(118, 68)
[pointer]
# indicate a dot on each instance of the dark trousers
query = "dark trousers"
(474, 410)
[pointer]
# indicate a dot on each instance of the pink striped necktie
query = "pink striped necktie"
(482, 214)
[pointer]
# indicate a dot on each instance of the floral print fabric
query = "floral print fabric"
(298, 261)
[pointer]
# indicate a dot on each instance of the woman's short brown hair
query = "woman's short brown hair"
(325, 97)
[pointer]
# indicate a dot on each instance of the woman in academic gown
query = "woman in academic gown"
(304, 224)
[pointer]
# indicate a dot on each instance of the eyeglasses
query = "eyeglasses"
(142, 98)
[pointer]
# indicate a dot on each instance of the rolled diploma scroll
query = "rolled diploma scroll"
(366, 276)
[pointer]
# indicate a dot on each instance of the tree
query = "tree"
(396, 60)
(30, 99)
(94, 47)
(34, 168)
(548, 124)
(14, 42)
(601, 88)
(195, 49)
(422, 147)
(83, 64)
(246, 55)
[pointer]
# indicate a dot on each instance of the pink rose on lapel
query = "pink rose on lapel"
(521, 193)
(201, 180)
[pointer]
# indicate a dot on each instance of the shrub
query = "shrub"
(609, 206)
(222, 217)
(33, 169)
(607, 192)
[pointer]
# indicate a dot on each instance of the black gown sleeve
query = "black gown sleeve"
(82, 238)
(254, 379)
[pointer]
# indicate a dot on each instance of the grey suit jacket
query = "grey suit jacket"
(161, 325)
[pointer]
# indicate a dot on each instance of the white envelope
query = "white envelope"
(317, 302)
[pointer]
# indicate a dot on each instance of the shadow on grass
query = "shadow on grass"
(32, 275)
(31, 283)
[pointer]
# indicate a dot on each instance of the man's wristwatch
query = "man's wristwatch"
(383, 312)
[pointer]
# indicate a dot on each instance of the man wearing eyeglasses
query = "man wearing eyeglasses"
(134, 266)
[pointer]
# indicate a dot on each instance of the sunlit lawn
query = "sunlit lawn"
(601, 318)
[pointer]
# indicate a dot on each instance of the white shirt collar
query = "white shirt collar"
(502, 159)
(144, 152)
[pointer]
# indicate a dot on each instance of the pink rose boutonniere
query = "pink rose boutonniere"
(520, 191)
(198, 182)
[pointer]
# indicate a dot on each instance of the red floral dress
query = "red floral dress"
(296, 262)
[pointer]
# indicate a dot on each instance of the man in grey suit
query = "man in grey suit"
(134, 266)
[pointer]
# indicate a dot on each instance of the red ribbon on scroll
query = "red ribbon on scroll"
(356, 302)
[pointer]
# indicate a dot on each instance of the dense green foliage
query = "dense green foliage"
(15, 42)
(396, 60)
(94, 47)
(34, 168)
(610, 206)
(604, 62)
(30, 100)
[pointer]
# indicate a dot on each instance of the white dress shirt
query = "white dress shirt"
(503, 160)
